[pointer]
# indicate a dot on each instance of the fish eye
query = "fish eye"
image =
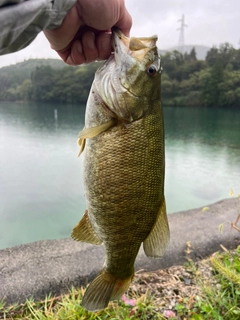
(151, 70)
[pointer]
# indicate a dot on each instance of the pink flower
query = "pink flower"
(129, 302)
(169, 314)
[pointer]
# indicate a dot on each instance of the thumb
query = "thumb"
(125, 23)
(61, 37)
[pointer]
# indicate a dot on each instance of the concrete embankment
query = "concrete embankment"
(38, 268)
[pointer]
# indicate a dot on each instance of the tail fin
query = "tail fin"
(102, 289)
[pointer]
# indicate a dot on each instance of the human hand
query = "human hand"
(85, 33)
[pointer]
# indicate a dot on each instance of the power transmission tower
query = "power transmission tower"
(181, 36)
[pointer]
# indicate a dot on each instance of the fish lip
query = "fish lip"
(120, 44)
(147, 42)
(118, 36)
(131, 50)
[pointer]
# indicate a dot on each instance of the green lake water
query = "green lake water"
(41, 190)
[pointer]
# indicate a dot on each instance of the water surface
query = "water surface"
(41, 191)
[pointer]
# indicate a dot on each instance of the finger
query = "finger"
(103, 42)
(89, 47)
(125, 23)
(62, 36)
(74, 54)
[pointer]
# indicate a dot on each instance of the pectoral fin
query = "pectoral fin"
(84, 231)
(81, 144)
(156, 242)
(88, 133)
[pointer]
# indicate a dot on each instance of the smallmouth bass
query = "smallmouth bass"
(123, 158)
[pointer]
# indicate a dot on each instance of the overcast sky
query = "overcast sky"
(209, 22)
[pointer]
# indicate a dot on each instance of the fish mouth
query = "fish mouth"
(124, 75)
(131, 57)
(135, 47)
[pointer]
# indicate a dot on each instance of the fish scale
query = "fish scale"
(123, 161)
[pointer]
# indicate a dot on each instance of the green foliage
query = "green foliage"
(69, 307)
(228, 265)
(46, 81)
(218, 299)
(191, 82)
(69, 84)
(12, 77)
(186, 81)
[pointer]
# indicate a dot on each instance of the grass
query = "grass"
(69, 307)
(219, 299)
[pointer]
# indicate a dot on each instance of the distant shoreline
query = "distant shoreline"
(208, 77)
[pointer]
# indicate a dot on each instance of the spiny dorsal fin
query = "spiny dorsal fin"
(84, 231)
(156, 242)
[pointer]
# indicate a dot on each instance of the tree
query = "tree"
(42, 83)
(212, 90)
(191, 56)
(25, 90)
(212, 56)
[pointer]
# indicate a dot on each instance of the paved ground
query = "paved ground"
(38, 268)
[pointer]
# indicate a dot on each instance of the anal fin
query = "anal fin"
(84, 231)
(156, 242)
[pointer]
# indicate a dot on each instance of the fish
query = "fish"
(122, 145)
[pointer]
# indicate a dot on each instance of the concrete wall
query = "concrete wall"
(38, 268)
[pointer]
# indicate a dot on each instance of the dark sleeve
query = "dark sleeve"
(22, 20)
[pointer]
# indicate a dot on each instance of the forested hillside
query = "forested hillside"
(213, 82)
(46, 80)
(185, 80)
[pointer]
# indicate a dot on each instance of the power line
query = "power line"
(181, 35)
